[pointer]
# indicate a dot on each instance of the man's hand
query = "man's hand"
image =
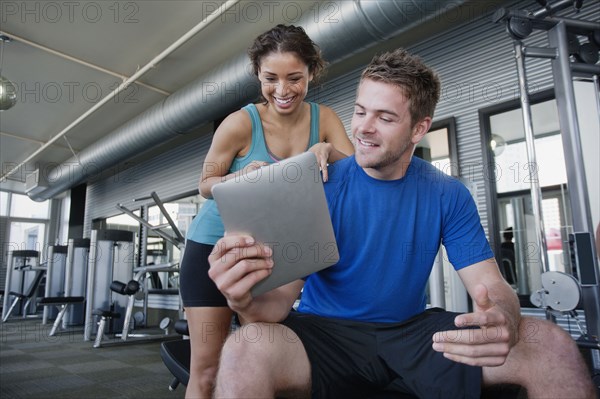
(487, 338)
(237, 263)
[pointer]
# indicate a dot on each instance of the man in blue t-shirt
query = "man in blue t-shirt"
(361, 327)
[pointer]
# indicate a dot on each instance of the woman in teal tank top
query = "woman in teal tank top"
(285, 60)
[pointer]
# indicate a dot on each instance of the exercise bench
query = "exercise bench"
(28, 296)
(62, 303)
(176, 356)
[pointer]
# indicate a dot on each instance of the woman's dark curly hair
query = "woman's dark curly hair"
(287, 38)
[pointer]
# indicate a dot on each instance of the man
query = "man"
(507, 248)
(361, 327)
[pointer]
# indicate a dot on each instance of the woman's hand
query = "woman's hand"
(253, 166)
(322, 151)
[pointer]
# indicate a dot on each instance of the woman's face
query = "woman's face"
(284, 79)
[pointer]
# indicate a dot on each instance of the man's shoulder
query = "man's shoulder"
(426, 171)
(339, 169)
(339, 172)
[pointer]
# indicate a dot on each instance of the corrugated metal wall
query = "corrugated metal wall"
(171, 173)
(477, 68)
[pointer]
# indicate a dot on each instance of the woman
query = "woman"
(285, 60)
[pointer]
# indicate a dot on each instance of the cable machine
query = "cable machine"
(569, 58)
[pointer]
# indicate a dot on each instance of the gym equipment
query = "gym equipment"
(76, 279)
(560, 292)
(566, 56)
(132, 289)
(138, 288)
(73, 282)
(176, 356)
(178, 240)
(26, 296)
(23, 278)
(62, 304)
(110, 258)
(56, 262)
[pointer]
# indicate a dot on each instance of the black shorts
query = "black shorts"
(352, 359)
(195, 287)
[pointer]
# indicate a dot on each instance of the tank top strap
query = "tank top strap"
(258, 148)
(314, 124)
(258, 134)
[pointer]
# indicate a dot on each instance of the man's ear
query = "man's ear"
(420, 129)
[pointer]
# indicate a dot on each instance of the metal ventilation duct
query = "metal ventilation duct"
(357, 25)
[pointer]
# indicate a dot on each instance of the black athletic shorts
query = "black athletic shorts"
(195, 287)
(352, 359)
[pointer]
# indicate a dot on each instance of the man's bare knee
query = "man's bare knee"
(247, 358)
(250, 343)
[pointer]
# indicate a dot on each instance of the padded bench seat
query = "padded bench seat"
(62, 302)
(176, 356)
(57, 300)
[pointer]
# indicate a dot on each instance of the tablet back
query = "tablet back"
(282, 205)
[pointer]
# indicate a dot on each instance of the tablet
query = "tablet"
(282, 205)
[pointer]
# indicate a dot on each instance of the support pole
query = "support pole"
(576, 177)
(536, 192)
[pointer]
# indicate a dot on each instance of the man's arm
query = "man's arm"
(237, 263)
(496, 315)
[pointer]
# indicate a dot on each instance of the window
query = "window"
(27, 236)
(24, 207)
(439, 146)
(122, 220)
(3, 203)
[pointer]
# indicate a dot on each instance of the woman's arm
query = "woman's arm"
(232, 138)
(334, 143)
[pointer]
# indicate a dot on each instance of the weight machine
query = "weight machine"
(111, 256)
(24, 275)
(137, 288)
(55, 277)
(66, 284)
(569, 58)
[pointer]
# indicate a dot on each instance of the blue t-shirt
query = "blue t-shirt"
(388, 234)
(207, 227)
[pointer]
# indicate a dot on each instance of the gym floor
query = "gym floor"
(34, 365)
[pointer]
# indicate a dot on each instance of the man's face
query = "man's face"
(381, 127)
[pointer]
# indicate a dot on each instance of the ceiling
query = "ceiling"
(65, 58)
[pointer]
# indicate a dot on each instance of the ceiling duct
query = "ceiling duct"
(341, 29)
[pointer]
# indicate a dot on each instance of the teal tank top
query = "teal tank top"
(207, 227)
